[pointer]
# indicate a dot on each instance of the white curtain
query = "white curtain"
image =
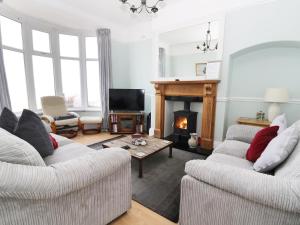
(105, 66)
(4, 93)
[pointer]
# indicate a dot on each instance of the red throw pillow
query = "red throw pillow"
(53, 141)
(260, 142)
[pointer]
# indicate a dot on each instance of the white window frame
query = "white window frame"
(86, 60)
(29, 24)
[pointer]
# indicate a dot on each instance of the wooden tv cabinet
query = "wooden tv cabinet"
(126, 122)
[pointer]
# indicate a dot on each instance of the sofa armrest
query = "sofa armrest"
(242, 133)
(29, 182)
(264, 189)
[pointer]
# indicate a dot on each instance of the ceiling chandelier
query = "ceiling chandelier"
(143, 6)
(206, 45)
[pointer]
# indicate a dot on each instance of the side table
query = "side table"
(253, 122)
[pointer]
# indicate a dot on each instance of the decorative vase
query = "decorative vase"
(193, 141)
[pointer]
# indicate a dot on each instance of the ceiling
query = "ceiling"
(90, 14)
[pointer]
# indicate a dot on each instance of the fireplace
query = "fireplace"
(185, 121)
(206, 89)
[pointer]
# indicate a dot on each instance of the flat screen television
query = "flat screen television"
(126, 99)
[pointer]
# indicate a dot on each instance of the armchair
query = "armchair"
(56, 115)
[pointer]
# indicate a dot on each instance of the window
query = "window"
(69, 46)
(43, 78)
(40, 41)
(92, 66)
(15, 73)
(70, 72)
(91, 48)
(11, 33)
(42, 62)
(70, 69)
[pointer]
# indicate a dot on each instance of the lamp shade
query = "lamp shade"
(278, 95)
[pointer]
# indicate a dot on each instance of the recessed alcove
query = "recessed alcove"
(252, 70)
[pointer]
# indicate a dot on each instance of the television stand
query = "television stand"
(126, 122)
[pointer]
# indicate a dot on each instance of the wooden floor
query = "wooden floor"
(138, 214)
(88, 139)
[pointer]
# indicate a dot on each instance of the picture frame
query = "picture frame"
(213, 70)
(201, 69)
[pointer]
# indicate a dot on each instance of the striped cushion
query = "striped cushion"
(17, 151)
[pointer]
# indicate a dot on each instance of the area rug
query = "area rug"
(159, 189)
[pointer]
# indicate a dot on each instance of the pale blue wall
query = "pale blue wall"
(120, 64)
(256, 69)
(140, 69)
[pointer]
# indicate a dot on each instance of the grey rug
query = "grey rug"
(159, 189)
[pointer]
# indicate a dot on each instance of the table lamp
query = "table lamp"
(275, 96)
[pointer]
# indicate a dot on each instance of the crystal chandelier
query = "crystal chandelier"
(143, 6)
(206, 45)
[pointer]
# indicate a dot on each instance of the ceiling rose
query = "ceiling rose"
(142, 6)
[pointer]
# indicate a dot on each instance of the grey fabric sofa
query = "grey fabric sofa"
(225, 190)
(79, 186)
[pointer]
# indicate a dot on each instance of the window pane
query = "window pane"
(70, 71)
(11, 32)
(43, 78)
(40, 41)
(91, 47)
(93, 83)
(15, 72)
(69, 45)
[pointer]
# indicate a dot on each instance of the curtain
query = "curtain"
(162, 62)
(104, 50)
(4, 93)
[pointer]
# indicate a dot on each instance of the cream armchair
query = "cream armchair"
(56, 115)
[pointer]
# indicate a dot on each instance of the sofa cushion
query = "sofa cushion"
(67, 152)
(291, 166)
(17, 151)
(31, 129)
(278, 150)
(8, 120)
(260, 142)
(231, 161)
(280, 121)
(233, 148)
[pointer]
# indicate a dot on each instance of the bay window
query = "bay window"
(42, 61)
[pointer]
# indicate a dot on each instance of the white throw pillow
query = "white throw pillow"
(17, 151)
(277, 150)
(280, 121)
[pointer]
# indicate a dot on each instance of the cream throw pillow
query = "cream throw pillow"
(17, 151)
(277, 150)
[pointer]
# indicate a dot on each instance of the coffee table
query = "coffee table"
(140, 153)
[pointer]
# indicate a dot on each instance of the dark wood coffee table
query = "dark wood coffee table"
(140, 153)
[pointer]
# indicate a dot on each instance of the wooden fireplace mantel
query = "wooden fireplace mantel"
(207, 89)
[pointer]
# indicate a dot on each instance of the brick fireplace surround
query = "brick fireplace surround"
(207, 89)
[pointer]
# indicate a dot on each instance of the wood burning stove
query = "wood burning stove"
(184, 123)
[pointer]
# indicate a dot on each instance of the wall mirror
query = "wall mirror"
(179, 57)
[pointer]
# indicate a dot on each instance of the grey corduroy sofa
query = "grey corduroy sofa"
(225, 190)
(79, 186)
